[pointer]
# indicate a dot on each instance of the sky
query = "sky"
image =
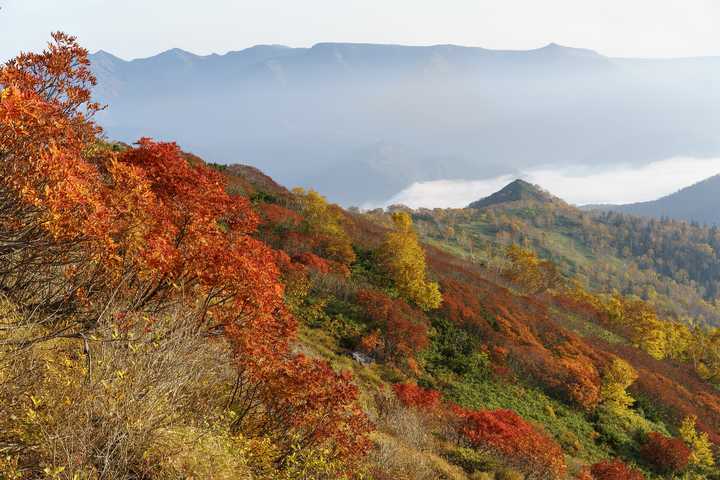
(577, 185)
(141, 28)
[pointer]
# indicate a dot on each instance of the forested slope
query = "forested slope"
(671, 263)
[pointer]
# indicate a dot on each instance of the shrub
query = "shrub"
(614, 470)
(472, 460)
(665, 454)
(403, 328)
(412, 395)
(506, 433)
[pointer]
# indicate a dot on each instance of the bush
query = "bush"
(614, 470)
(665, 454)
(472, 460)
(411, 395)
(506, 433)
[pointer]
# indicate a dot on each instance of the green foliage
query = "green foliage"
(262, 197)
(453, 349)
(569, 427)
(472, 460)
(625, 430)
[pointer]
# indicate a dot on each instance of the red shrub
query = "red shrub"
(665, 454)
(614, 470)
(505, 432)
(403, 328)
(412, 395)
(303, 398)
(313, 262)
(276, 215)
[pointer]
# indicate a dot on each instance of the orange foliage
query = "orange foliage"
(302, 401)
(412, 395)
(276, 215)
(506, 433)
(147, 228)
(614, 470)
(403, 328)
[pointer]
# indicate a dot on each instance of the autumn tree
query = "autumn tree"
(404, 260)
(618, 376)
(700, 446)
(413, 395)
(323, 222)
(88, 231)
(530, 272)
(301, 403)
(45, 126)
(403, 329)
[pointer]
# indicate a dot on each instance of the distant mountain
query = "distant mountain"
(697, 203)
(517, 191)
(360, 122)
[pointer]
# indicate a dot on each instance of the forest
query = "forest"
(165, 317)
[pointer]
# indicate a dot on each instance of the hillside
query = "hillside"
(517, 191)
(395, 115)
(671, 263)
(699, 203)
(163, 317)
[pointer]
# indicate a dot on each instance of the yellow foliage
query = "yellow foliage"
(197, 454)
(530, 272)
(699, 443)
(325, 223)
(616, 379)
(404, 260)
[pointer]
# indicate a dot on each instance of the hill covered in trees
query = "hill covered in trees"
(162, 317)
(673, 264)
(698, 204)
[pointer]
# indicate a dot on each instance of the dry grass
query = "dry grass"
(94, 410)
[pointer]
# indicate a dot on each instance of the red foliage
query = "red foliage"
(304, 402)
(412, 395)
(276, 215)
(320, 264)
(314, 262)
(665, 454)
(508, 434)
(148, 228)
(614, 470)
(403, 327)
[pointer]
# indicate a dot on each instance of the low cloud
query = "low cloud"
(578, 185)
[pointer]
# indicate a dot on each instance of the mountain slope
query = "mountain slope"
(697, 203)
(517, 191)
(392, 115)
(673, 264)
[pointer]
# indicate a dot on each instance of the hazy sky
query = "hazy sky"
(137, 28)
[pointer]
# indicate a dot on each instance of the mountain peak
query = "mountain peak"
(105, 55)
(557, 49)
(516, 191)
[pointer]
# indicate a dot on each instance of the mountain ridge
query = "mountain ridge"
(450, 111)
(699, 203)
